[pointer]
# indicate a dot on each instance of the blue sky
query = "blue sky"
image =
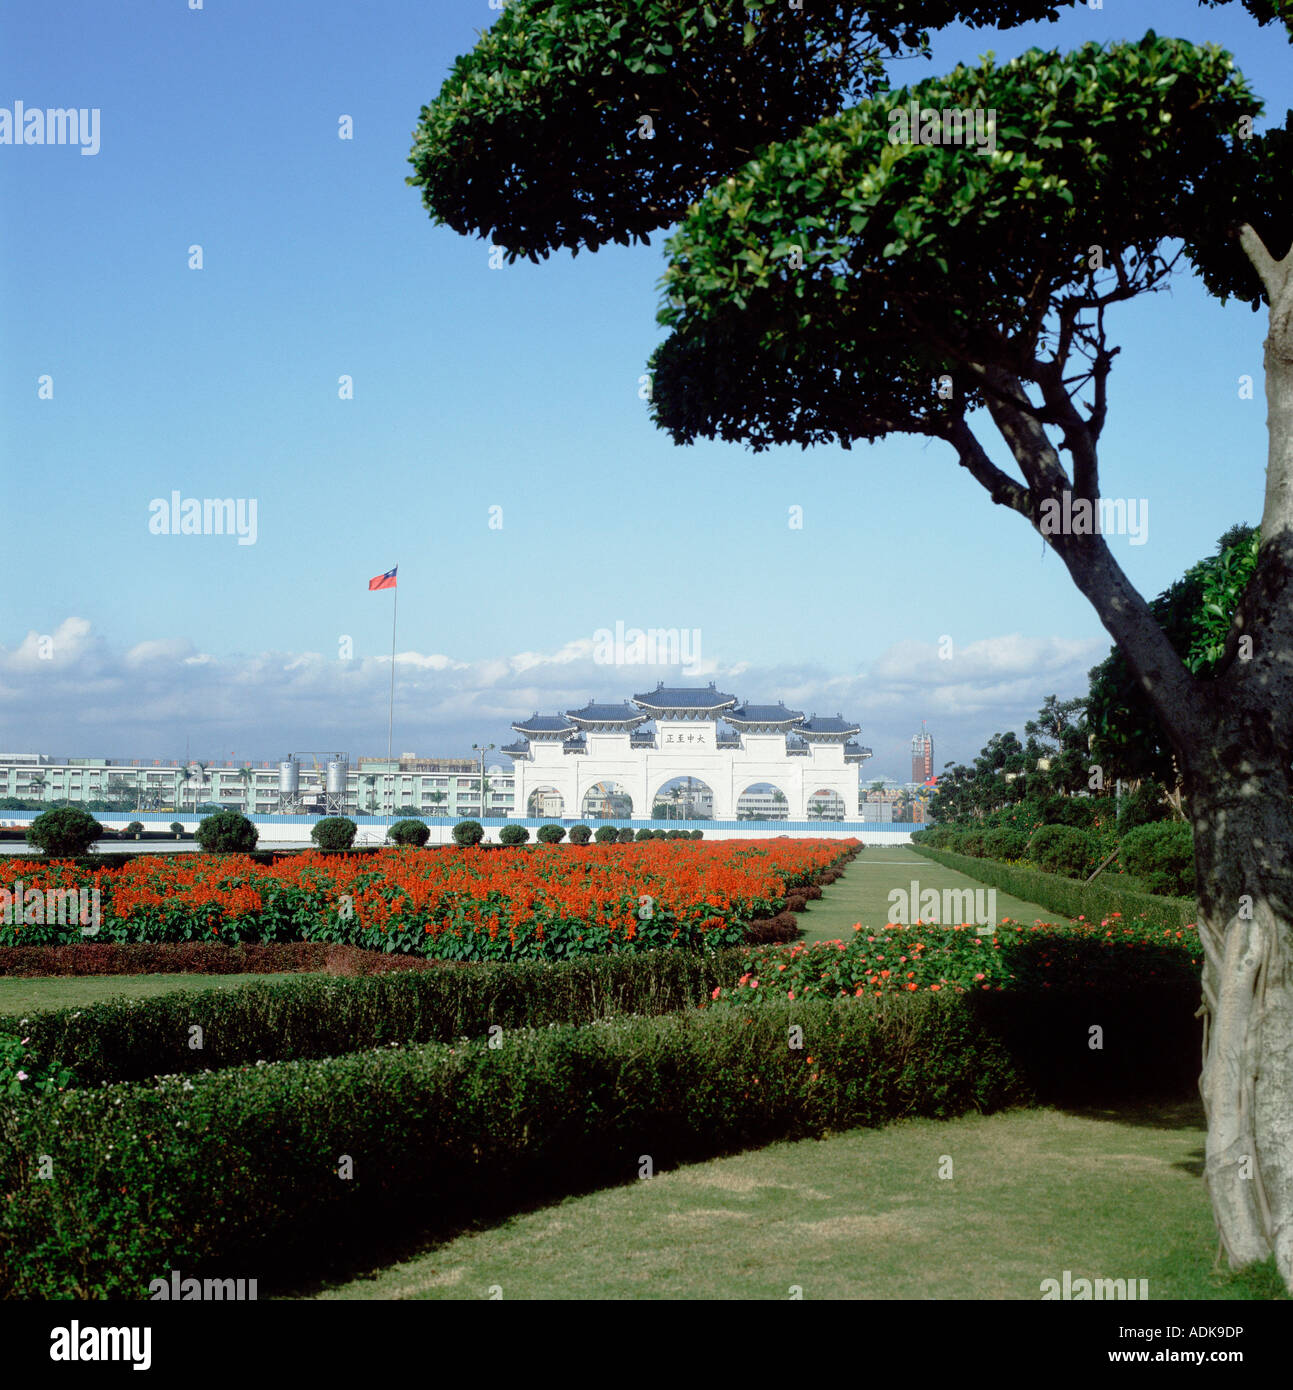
(473, 388)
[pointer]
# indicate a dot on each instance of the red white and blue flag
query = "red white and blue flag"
(933, 781)
(384, 581)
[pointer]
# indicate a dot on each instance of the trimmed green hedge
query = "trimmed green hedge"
(242, 1169)
(310, 1017)
(334, 833)
(239, 1171)
(1062, 849)
(409, 832)
(1161, 855)
(1068, 896)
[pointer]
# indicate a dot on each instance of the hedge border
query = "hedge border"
(138, 1186)
(1068, 896)
(300, 1017)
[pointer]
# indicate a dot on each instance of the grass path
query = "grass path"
(865, 1215)
(862, 894)
(23, 996)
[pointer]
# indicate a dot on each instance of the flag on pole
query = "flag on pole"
(933, 782)
(384, 581)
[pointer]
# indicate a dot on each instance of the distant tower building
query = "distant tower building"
(922, 756)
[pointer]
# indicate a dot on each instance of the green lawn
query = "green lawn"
(862, 894)
(865, 1215)
(23, 996)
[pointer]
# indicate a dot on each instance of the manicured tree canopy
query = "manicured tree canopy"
(924, 260)
(535, 137)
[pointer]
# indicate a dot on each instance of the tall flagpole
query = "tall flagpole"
(390, 723)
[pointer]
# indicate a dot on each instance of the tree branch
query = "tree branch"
(1126, 616)
(1000, 486)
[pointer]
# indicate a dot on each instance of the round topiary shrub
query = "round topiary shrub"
(1161, 856)
(643, 834)
(65, 832)
(176, 828)
(468, 832)
(580, 834)
(551, 834)
(409, 832)
(625, 835)
(513, 835)
(1004, 844)
(1063, 849)
(135, 828)
(677, 835)
(226, 832)
(606, 835)
(333, 833)
(697, 834)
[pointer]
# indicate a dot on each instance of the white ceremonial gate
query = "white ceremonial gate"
(590, 760)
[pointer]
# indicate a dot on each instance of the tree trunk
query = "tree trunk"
(1243, 834)
(1239, 784)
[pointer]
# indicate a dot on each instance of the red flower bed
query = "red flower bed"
(893, 959)
(545, 901)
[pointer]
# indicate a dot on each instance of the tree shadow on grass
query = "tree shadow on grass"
(1172, 1112)
(358, 1253)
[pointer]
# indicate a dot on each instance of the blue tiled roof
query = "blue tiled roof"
(829, 724)
(544, 724)
(519, 747)
(763, 714)
(622, 713)
(685, 697)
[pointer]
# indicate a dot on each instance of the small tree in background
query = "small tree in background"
(334, 833)
(64, 833)
(513, 835)
(625, 836)
(644, 834)
(409, 832)
(468, 832)
(551, 834)
(176, 828)
(1146, 805)
(580, 834)
(135, 828)
(606, 835)
(227, 832)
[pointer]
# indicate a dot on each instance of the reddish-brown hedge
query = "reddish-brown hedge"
(200, 958)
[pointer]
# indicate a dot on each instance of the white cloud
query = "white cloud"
(145, 701)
